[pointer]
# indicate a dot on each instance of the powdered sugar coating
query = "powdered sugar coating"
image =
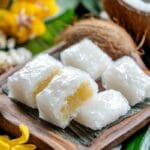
(127, 77)
(86, 56)
(52, 98)
(22, 83)
(103, 109)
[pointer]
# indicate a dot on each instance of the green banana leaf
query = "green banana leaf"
(145, 143)
(140, 141)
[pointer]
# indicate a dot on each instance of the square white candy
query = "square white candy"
(127, 77)
(60, 93)
(103, 109)
(86, 56)
(23, 83)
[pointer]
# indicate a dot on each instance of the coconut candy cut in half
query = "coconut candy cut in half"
(128, 78)
(109, 36)
(103, 109)
(59, 102)
(26, 83)
(87, 56)
(133, 15)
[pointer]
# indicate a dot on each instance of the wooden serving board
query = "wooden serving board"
(47, 136)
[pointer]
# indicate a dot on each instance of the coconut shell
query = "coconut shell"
(135, 21)
(110, 37)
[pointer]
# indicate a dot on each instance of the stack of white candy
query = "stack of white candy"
(64, 93)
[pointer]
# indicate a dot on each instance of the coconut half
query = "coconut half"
(110, 37)
(134, 15)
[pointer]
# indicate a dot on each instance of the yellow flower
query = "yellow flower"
(7, 20)
(20, 26)
(39, 8)
(24, 147)
(18, 143)
(38, 28)
(21, 34)
(24, 32)
(4, 145)
(30, 9)
(49, 7)
(24, 20)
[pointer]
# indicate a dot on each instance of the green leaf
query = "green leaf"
(54, 27)
(145, 144)
(92, 5)
(134, 142)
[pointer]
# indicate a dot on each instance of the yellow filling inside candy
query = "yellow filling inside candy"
(44, 83)
(82, 94)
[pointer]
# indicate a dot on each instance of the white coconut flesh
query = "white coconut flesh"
(142, 5)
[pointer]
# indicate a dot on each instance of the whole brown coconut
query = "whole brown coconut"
(136, 21)
(110, 37)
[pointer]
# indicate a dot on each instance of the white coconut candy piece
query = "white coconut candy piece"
(33, 78)
(103, 109)
(59, 102)
(139, 4)
(86, 56)
(128, 78)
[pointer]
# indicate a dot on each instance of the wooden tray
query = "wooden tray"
(47, 136)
